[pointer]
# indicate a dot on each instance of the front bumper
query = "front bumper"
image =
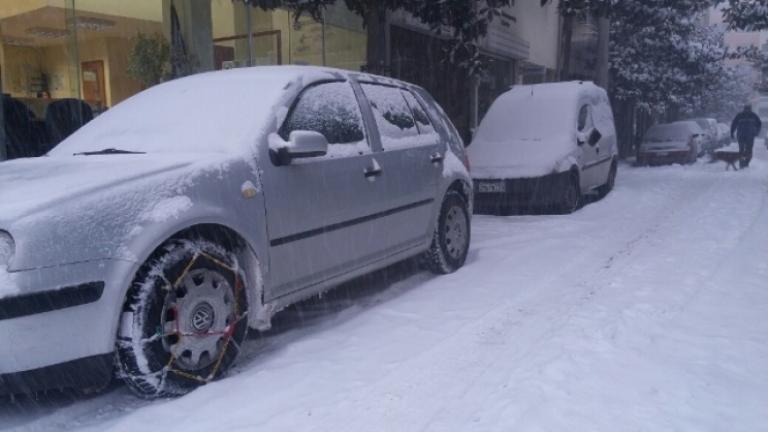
(520, 193)
(61, 317)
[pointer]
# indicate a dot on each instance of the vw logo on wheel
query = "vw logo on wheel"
(202, 318)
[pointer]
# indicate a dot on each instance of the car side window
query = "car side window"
(583, 118)
(393, 115)
(422, 119)
(330, 109)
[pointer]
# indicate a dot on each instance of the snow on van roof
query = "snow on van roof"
(221, 111)
(532, 125)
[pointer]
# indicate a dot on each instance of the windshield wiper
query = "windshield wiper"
(109, 151)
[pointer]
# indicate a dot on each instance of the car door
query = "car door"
(603, 120)
(321, 211)
(589, 151)
(411, 157)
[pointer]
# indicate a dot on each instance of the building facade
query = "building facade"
(77, 58)
(60, 54)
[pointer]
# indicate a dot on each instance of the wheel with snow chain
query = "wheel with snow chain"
(450, 241)
(184, 320)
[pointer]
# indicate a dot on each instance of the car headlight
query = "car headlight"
(6, 248)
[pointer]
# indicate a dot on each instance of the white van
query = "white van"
(544, 145)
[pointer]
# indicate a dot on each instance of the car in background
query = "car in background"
(544, 145)
(149, 241)
(678, 142)
(711, 138)
(724, 134)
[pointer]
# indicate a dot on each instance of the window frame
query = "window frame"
(423, 110)
(297, 99)
(369, 106)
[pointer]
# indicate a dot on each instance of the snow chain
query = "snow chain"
(169, 367)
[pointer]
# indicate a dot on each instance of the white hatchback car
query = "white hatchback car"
(544, 145)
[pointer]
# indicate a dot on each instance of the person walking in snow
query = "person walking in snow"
(746, 126)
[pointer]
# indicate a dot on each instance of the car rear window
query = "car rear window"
(394, 117)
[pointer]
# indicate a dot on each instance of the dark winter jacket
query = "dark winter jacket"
(746, 125)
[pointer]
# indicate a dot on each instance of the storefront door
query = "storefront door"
(93, 83)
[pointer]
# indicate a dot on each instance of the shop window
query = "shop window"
(246, 36)
(65, 62)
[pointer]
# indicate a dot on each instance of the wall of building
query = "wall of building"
(540, 27)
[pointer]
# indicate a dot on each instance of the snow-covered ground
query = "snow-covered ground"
(647, 310)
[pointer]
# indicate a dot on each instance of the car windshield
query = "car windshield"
(219, 113)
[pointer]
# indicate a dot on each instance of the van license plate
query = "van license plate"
(492, 187)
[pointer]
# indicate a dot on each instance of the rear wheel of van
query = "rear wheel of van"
(571, 195)
(184, 319)
(605, 189)
(450, 242)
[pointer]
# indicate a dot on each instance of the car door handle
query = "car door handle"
(373, 171)
(437, 157)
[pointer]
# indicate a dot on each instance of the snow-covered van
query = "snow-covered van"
(678, 142)
(544, 145)
(147, 243)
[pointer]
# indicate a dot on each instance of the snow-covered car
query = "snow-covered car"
(711, 137)
(147, 244)
(678, 142)
(724, 134)
(544, 145)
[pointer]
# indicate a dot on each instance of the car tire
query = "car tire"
(451, 238)
(693, 156)
(605, 189)
(184, 319)
(571, 197)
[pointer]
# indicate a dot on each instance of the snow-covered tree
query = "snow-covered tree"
(747, 15)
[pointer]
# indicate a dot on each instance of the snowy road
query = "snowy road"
(647, 310)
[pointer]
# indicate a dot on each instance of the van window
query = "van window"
(393, 115)
(328, 108)
(583, 117)
(421, 117)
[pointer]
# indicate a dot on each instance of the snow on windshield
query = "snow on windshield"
(213, 112)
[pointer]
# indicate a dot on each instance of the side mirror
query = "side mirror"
(301, 144)
(595, 137)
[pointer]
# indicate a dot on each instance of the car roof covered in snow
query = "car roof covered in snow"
(221, 112)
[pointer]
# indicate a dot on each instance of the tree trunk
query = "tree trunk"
(378, 35)
(603, 51)
(566, 43)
